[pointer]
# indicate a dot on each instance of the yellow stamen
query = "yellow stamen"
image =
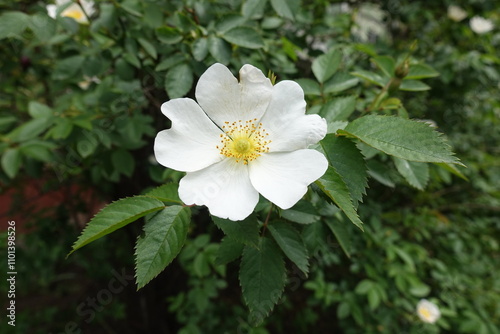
(243, 141)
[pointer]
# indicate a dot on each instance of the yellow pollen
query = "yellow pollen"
(76, 14)
(425, 313)
(243, 140)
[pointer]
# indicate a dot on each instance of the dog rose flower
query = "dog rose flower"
(73, 10)
(239, 139)
(428, 311)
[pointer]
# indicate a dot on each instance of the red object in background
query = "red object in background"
(30, 199)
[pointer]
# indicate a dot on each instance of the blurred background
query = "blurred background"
(81, 84)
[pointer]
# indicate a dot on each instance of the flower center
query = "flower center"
(243, 141)
(425, 313)
(76, 14)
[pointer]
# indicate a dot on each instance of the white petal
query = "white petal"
(224, 188)
(52, 11)
(283, 177)
(256, 92)
(224, 99)
(218, 93)
(190, 144)
(285, 120)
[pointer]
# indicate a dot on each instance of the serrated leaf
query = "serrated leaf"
(244, 36)
(374, 78)
(166, 193)
(339, 229)
(414, 86)
(262, 278)
(169, 62)
(339, 82)
(335, 188)
(415, 173)
(302, 213)
(291, 243)
(380, 172)
(421, 71)
(386, 64)
(179, 80)
(11, 162)
(229, 250)
(164, 236)
(116, 215)
(286, 8)
(402, 138)
(245, 231)
(453, 169)
(325, 66)
(339, 109)
(349, 163)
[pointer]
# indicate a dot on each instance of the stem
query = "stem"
(267, 219)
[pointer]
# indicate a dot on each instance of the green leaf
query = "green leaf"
(291, 243)
(310, 87)
(380, 172)
(219, 49)
(286, 8)
(36, 110)
(349, 163)
(164, 236)
(229, 250)
(245, 231)
(116, 215)
(421, 71)
(148, 47)
(335, 188)
(245, 37)
(37, 150)
(166, 193)
(374, 78)
(413, 86)
(179, 80)
(386, 64)
(339, 229)
(339, 109)
(11, 162)
(123, 162)
(67, 68)
(169, 62)
(364, 287)
(30, 129)
(339, 82)
(415, 173)
(168, 35)
(262, 278)
(200, 48)
(13, 24)
(253, 8)
(302, 213)
(228, 22)
(325, 66)
(402, 138)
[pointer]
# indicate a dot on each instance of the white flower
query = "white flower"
(72, 9)
(480, 25)
(428, 311)
(85, 83)
(244, 138)
(456, 13)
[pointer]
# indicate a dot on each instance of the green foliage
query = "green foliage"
(79, 104)
(164, 236)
